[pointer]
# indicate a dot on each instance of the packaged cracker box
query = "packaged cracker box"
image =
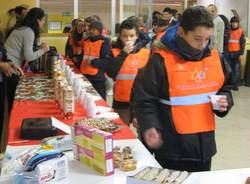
(94, 148)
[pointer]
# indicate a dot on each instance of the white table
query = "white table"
(79, 173)
(231, 176)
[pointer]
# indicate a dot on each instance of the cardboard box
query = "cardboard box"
(94, 148)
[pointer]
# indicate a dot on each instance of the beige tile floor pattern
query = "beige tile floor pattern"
(233, 134)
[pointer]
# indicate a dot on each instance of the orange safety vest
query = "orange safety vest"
(76, 47)
(91, 51)
(159, 35)
(127, 73)
(234, 40)
(190, 85)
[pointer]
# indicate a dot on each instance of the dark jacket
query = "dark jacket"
(150, 113)
(114, 64)
(3, 55)
(100, 62)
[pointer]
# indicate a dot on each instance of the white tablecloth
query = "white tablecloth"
(231, 176)
(79, 173)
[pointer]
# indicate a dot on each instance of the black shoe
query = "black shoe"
(235, 88)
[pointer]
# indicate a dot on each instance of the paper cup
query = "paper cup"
(214, 101)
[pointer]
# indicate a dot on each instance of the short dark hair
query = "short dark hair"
(159, 22)
(74, 22)
(96, 25)
(234, 19)
(129, 24)
(196, 16)
(169, 10)
(90, 19)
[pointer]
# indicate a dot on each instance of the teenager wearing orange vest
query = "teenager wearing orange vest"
(236, 47)
(172, 104)
(96, 49)
(123, 65)
(160, 27)
(76, 40)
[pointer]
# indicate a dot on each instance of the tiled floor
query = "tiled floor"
(233, 134)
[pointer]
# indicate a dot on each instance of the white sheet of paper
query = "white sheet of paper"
(60, 125)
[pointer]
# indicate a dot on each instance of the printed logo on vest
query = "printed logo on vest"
(198, 75)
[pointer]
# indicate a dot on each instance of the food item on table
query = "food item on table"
(128, 165)
(173, 176)
(151, 175)
(117, 159)
(248, 180)
(35, 88)
(124, 160)
(127, 156)
(162, 176)
(181, 177)
(102, 124)
(68, 102)
(141, 174)
(127, 149)
(117, 149)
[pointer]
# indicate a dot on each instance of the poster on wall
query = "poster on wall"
(55, 25)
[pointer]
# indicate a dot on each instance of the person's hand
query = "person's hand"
(6, 68)
(45, 47)
(129, 46)
(18, 70)
(153, 138)
(74, 59)
(223, 103)
(240, 58)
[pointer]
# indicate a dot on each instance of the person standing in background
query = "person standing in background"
(168, 16)
(236, 47)
(219, 26)
(20, 46)
(76, 40)
(123, 65)
(96, 49)
(16, 16)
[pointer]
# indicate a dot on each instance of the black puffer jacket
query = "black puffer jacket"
(150, 113)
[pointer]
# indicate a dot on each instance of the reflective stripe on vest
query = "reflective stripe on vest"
(125, 76)
(189, 100)
(159, 35)
(91, 51)
(89, 57)
(234, 40)
(189, 97)
(127, 73)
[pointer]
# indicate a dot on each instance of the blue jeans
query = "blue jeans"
(235, 65)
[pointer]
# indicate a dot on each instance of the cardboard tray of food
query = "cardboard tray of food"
(153, 175)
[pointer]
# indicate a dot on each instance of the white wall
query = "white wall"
(241, 7)
(225, 6)
(205, 2)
